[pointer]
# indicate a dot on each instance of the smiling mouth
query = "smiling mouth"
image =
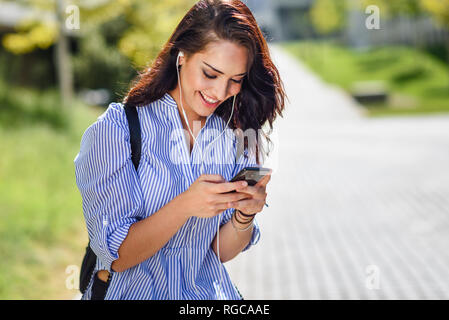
(209, 102)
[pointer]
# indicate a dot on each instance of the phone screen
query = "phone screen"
(252, 175)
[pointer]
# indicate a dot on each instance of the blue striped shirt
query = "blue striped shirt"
(114, 196)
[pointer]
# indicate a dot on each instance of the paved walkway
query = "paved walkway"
(359, 208)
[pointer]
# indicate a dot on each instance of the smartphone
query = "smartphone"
(252, 175)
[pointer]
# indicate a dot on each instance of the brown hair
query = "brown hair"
(262, 95)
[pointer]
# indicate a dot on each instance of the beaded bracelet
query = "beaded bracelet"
(246, 215)
(238, 229)
(239, 220)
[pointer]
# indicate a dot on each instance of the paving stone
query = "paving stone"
(358, 207)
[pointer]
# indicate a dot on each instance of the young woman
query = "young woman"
(164, 231)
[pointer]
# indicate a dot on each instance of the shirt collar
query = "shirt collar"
(168, 100)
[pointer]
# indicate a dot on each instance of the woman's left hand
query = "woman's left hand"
(258, 196)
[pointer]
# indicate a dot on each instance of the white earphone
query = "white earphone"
(181, 54)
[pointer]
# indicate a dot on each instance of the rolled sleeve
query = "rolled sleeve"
(108, 183)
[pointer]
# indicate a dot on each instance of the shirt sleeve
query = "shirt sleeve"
(108, 183)
(245, 160)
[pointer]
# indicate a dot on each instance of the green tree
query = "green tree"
(394, 8)
(328, 15)
(149, 25)
(439, 9)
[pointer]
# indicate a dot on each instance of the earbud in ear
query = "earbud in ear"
(180, 54)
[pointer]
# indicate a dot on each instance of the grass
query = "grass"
(416, 81)
(42, 230)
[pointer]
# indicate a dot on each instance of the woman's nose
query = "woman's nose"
(221, 91)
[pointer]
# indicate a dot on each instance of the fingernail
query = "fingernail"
(244, 184)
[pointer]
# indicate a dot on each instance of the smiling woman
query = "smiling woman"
(202, 92)
(206, 83)
(226, 46)
(164, 231)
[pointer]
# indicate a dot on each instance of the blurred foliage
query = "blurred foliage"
(22, 107)
(115, 39)
(393, 8)
(328, 15)
(152, 24)
(416, 81)
(149, 25)
(439, 8)
(33, 69)
(99, 64)
(31, 35)
(42, 230)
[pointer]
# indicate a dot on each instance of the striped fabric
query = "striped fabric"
(115, 196)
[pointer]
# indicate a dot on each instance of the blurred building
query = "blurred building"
(407, 30)
(12, 14)
(282, 20)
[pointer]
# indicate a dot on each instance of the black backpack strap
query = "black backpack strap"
(90, 259)
(135, 134)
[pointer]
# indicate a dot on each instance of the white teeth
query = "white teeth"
(208, 100)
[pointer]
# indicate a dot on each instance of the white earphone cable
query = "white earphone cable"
(201, 168)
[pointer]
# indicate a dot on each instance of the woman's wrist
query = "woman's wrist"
(182, 208)
(240, 224)
(242, 221)
(243, 216)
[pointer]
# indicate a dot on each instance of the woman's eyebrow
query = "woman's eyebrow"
(241, 74)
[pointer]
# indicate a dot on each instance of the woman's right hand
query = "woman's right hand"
(210, 195)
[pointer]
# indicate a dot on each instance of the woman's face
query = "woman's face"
(215, 74)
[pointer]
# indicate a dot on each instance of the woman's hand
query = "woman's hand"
(257, 195)
(210, 195)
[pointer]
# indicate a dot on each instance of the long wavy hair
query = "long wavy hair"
(262, 94)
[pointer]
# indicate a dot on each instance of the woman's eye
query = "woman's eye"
(208, 76)
(213, 77)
